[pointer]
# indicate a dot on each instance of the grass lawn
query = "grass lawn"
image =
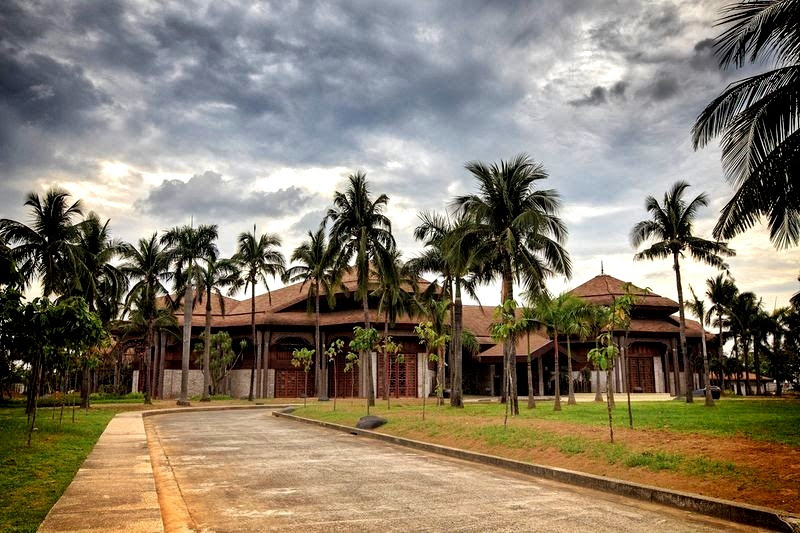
(33, 478)
(736, 450)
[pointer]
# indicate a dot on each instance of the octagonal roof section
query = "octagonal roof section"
(603, 289)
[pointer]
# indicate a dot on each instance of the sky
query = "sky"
(239, 113)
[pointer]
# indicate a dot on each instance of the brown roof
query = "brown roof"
(604, 288)
(538, 342)
(667, 325)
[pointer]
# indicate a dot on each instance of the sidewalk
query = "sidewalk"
(114, 489)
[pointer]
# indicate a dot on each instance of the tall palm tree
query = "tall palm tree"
(98, 280)
(9, 274)
(361, 230)
(698, 308)
(721, 290)
(670, 227)
(598, 318)
(558, 315)
(744, 312)
(758, 119)
(187, 248)
(519, 226)
(257, 258)
(46, 249)
(215, 275)
(316, 267)
(146, 265)
(450, 251)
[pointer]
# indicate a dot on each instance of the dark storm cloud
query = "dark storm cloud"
(664, 87)
(210, 198)
(703, 57)
(600, 95)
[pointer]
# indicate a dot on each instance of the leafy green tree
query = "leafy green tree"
(744, 313)
(363, 342)
(221, 357)
(257, 258)
(9, 274)
(575, 324)
(603, 357)
(598, 317)
(187, 248)
(435, 340)
(757, 118)
(361, 230)
(332, 353)
(620, 308)
(303, 358)
(352, 361)
(520, 228)
(213, 276)
(316, 267)
(670, 227)
(47, 248)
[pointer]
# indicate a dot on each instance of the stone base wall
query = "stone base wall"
(238, 383)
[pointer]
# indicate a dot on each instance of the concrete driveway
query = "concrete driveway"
(249, 471)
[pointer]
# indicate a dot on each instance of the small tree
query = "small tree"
(352, 362)
(389, 349)
(303, 358)
(603, 357)
(333, 352)
(364, 342)
(435, 342)
(221, 357)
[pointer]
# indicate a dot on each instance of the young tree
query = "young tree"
(598, 318)
(363, 342)
(221, 357)
(435, 341)
(698, 308)
(520, 227)
(187, 247)
(671, 228)
(505, 328)
(360, 230)
(257, 257)
(303, 358)
(721, 290)
(603, 357)
(333, 352)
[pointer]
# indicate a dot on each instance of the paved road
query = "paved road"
(250, 471)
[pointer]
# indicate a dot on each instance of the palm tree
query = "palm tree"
(698, 308)
(257, 257)
(450, 252)
(187, 247)
(598, 318)
(316, 268)
(98, 280)
(670, 226)
(721, 290)
(47, 248)
(147, 267)
(744, 314)
(758, 119)
(576, 323)
(519, 227)
(215, 275)
(360, 229)
(9, 275)
(558, 315)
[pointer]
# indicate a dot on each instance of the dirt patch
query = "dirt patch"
(764, 473)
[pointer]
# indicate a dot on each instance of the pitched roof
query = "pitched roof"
(603, 289)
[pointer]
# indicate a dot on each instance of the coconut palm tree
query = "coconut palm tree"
(216, 274)
(9, 274)
(720, 290)
(361, 230)
(146, 265)
(519, 227)
(316, 267)
(758, 119)
(670, 226)
(47, 248)
(558, 315)
(575, 324)
(257, 258)
(187, 248)
(450, 252)
(598, 318)
(698, 308)
(744, 312)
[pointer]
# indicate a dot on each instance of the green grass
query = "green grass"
(34, 477)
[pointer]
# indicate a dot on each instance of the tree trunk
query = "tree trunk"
(509, 350)
(610, 384)
(440, 375)
(386, 359)
(746, 352)
(557, 404)
(253, 332)
(687, 371)
(627, 378)
(531, 396)
(709, 399)
(187, 343)
(598, 396)
(85, 383)
(570, 386)
(757, 363)
(457, 385)
(721, 356)
(320, 377)
(162, 339)
(207, 351)
(369, 389)
(676, 369)
(540, 369)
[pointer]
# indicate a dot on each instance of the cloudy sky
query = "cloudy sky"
(238, 113)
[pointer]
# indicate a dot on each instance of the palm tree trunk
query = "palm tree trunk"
(320, 380)
(147, 359)
(709, 399)
(440, 375)
(756, 362)
(540, 370)
(687, 372)
(557, 404)
(369, 389)
(255, 340)
(385, 358)
(746, 352)
(456, 385)
(187, 343)
(85, 384)
(721, 356)
(570, 387)
(509, 352)
(531, 396)
(207, 351)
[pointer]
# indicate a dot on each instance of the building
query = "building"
(283, 323)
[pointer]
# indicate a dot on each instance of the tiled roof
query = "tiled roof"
(602, 289)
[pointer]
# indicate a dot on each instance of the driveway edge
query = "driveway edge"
(728, 510)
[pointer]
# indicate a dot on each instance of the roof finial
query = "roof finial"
(601, 268)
